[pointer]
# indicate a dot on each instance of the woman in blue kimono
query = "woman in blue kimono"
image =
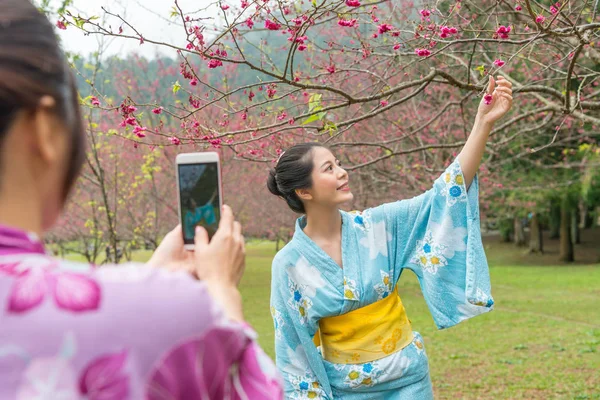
(194, 215)
(341, 331)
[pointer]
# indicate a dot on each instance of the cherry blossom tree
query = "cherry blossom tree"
(391, 86)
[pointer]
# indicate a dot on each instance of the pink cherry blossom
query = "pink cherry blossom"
(249, 23)
(397, 46)
(302, 47)
(425, 13)
(351, 23)
(553, 10)
(175, 141)
(540, 19)
(498, 62)
(194, 102)
(244, 4)
(213, 63)
(384, 103)
(139, 131)
(487, 99)
(503, 31)
(447, 31)
(157, 110)
(224, 7)
(353, 3)
(423, 52)
(272, 26)
(95, 101)
(299, 39)
(331, 69)
(194, 82)
(61, 25)
(383, 28)
(518, 7)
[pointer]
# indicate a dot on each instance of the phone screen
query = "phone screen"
(199, 196)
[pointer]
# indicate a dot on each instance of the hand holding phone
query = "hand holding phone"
(199, 193)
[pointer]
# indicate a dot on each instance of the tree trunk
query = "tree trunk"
(575, 237)
(519, 232)
(506, 229)
(566, 244)
(277, 244)
(535, 241)
(554, 220)
(587, 217)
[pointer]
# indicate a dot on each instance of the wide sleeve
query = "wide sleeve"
(225, 362)
(437, 236)
(198, 352)
(296, 356)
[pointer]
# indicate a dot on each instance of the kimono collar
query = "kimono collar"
(13, 240)
(308, 248)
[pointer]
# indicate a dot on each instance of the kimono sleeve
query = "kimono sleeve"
(191, 348)
(296, 356)
(226, 362)
(437, 236)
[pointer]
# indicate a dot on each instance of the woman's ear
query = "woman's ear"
(304, 194)
(44, 121)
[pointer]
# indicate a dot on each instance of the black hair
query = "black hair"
(293, 171)
(188, 202)
(32, 65)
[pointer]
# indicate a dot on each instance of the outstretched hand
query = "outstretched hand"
(497, 101)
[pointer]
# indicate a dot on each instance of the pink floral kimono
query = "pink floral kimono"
(122, 332)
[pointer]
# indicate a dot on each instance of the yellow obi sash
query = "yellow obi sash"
(365, 334)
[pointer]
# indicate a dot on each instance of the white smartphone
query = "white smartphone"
(199, 192)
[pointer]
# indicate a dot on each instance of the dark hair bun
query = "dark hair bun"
(272, 183)
(293, 171)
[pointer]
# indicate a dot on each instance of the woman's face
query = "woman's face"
(330, 186)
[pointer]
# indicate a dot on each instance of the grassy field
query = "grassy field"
(541, 341)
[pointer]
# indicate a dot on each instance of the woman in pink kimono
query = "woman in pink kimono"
(68, 331)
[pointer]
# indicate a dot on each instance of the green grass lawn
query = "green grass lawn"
(541, 341)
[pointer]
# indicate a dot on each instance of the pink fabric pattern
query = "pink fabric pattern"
(71, 331)
(103, 378)
(71, 291)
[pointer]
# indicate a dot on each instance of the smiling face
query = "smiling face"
(330, 185)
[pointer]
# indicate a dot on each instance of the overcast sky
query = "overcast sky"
(149, 17)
